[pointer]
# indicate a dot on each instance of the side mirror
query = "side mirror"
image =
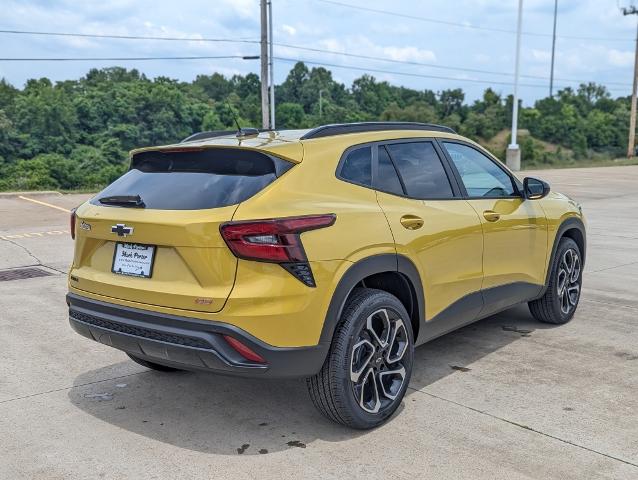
(534, 188)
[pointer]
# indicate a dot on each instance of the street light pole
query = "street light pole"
(513, 155)
(632, 119)
(631, 143)
(270, 67)
(265, 117)
(551, 75)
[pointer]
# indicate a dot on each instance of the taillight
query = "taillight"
(73, 218)
(243, 350)
(275, 240)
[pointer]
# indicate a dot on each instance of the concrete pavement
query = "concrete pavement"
(506, 397)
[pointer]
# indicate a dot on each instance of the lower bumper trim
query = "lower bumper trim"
(186, 343)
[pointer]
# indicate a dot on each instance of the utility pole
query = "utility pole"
(270, 67)
(513, 155)
(320, 103)
(265, 117)
(632, 10)
(551, 75)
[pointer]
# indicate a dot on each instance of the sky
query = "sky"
(462, 43)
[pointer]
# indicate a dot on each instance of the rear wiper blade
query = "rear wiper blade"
(133, 201)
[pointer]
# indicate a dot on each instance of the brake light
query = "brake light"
(72, 220)
(243, 350)
(276, 240)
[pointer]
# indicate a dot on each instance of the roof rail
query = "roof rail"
(343, 128)
(211, 134)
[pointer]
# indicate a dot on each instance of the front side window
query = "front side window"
(480, 175)
(357, 166)
(421, 170)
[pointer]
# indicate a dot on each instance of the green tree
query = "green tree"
(289, 115)
(77, 133)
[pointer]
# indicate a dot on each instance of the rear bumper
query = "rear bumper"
(187, 343)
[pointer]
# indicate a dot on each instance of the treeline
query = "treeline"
(76, 133)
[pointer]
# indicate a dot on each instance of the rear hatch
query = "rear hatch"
(152, 236)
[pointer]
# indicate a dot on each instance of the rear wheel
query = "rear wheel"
(152, 365)
(560, 300)
(368, 368)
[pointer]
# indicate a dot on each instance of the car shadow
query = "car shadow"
(229, 415)
(456, 352)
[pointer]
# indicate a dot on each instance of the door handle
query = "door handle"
(491, 215)
(411, 222)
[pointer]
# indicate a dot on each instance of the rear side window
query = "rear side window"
(195, 180)
(357, 166)
(421, 170)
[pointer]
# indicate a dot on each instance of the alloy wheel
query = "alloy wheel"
(568, 281)
(377, 369)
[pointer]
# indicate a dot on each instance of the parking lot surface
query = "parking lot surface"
(506, 397)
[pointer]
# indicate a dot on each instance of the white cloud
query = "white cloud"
(332, 28)
(289, 29)
(411, 54)
(541, 55)
(243, 8)
(620, 59)
(332, 44)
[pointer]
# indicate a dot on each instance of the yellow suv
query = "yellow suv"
(326, 253)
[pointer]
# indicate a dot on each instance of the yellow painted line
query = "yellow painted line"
(44, 203)
(50, 233)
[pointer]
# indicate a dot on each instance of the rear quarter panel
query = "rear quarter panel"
(268, 301)
(360, 230)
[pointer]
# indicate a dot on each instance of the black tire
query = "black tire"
(334, 391)
(559, 303)
(152, 365)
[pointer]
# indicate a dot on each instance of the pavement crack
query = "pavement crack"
(71, 387)
(32, 255)
(632, 307)
(591, 234)
(526, 427)
(611, 268)
(53, 268)
(29, 252)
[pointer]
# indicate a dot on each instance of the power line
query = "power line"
(433, 65)
(123, 59)
(407, 74)
(435, 77)
(469, 26)
(283, 59)
(297, 47)
(130, 37)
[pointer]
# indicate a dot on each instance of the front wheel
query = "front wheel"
(368, 368)
(560, 300)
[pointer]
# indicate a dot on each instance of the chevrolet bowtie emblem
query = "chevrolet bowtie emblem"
(122, 230)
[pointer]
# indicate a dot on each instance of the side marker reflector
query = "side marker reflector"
(243, 350)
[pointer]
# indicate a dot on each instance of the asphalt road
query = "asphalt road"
(504, 398)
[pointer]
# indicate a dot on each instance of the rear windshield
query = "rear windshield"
(194, 180)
